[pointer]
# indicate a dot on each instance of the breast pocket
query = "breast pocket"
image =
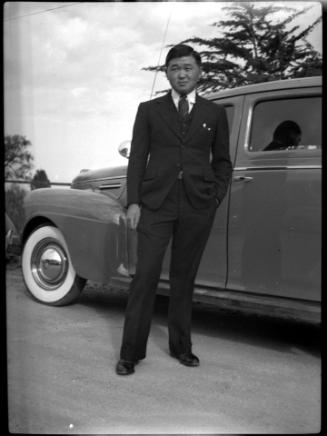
(207, 130)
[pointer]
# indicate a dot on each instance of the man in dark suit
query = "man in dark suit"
(178, 174)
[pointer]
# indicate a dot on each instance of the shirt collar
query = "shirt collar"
(191, 97)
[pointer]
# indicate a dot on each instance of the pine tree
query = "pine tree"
(254, 46)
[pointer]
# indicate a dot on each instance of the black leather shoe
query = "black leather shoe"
(187, 359)
(125, 367)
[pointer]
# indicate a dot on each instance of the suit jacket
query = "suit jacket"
(159, 152)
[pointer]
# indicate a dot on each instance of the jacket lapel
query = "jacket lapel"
(198, 116)
(168, 113)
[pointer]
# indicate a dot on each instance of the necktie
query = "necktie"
(183, 107)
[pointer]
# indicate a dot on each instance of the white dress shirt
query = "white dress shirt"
(190, 98)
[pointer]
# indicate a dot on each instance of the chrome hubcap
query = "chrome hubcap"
(49, 264)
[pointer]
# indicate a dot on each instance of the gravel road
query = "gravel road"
(256, 375)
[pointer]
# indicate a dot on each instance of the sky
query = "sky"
(73, 75)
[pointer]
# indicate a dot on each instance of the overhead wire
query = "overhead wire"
(162, 46)
(41, 12)
(72, 4)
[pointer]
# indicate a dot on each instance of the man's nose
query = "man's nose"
(181, 72)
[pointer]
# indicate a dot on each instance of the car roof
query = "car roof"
(266, 86)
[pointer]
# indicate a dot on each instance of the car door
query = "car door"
(213, 267)
(274, 239)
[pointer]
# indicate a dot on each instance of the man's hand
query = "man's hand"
(133, 215)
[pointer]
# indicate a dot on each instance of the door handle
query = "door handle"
(242, 179)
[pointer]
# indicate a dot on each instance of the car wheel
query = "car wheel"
(47, 268)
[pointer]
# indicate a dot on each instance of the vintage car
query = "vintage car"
(264, 251)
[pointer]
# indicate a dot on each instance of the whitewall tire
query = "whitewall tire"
(47, 268)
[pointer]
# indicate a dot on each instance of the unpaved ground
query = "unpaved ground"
(256, 375)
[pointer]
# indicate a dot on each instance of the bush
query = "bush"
(40, 180)
(14, 205)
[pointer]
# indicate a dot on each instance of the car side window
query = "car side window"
(286, 124)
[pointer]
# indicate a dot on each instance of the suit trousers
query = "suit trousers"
(189, 229)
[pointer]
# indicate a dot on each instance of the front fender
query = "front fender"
(93, 225)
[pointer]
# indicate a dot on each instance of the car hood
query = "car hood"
(89, 176)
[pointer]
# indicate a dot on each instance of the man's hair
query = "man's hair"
(181, 50)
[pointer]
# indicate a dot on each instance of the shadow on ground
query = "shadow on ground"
(237, 326)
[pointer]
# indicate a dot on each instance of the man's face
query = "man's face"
(183, 74)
